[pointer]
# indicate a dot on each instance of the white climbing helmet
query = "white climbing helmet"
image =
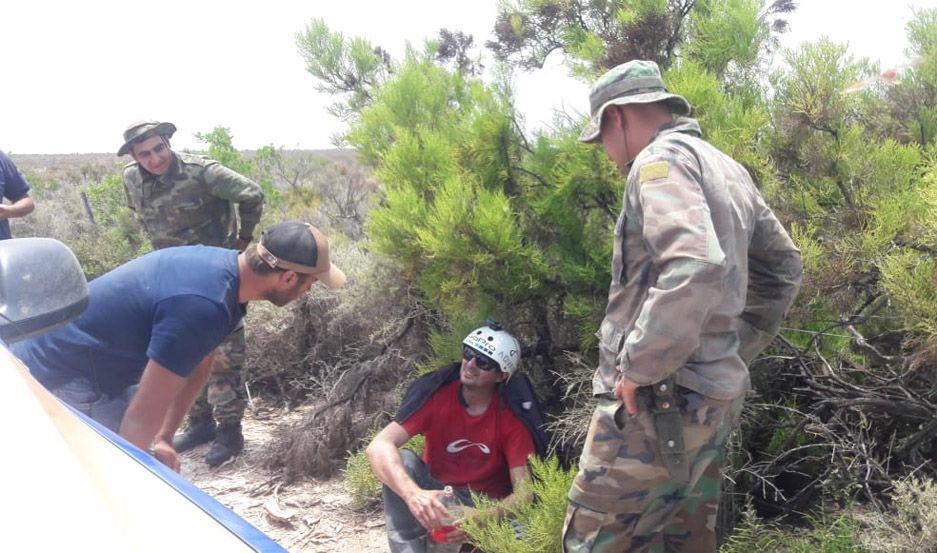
(497, 344)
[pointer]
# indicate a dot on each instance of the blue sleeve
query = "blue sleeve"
(14, 186)
(185, 330)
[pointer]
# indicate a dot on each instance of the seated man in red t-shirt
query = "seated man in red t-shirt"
(474, 442)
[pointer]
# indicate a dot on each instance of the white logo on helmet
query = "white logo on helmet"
(497, 344)
(460, 444)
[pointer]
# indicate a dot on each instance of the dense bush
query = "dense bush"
(483, 219)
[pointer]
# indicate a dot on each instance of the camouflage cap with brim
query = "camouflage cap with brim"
(633, 82)
(142, 130)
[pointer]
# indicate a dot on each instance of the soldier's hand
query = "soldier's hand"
(626, 391)
(243, 243)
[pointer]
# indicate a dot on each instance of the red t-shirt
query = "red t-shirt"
(469, 452)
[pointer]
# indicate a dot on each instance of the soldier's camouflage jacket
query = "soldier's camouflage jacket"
(193, 203)
(702, 271)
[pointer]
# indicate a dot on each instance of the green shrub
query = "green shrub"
(116, 236)
(364, 486)
(827, 534)
(540, 518)
(910, 526)
(360, 480)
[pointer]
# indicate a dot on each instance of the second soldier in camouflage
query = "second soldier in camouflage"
(702, 275)
(185, 199)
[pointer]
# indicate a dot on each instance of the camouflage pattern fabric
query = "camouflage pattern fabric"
(224, 395)
(623, 499)
(634, 82)
(702, 275)
(193, 203)
(702, 271)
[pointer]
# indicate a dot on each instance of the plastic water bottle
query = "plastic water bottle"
(437, 537)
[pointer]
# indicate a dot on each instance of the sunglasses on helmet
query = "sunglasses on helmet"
(482, 361)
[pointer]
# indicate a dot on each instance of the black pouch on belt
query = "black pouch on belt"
(669, 426)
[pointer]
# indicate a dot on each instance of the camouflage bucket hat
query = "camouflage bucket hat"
(144, 129)
(634, 82)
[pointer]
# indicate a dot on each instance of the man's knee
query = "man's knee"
(413, 465)
(411, 461)
(418, 471)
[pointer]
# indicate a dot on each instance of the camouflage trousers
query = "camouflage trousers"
(223, 395)
(623, 498)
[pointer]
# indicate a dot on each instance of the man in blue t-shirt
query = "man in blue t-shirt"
(137, 358)
(13, 187)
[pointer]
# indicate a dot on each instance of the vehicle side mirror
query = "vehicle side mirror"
(42, 286)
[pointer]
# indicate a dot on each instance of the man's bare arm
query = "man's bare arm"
(20, 208)
(158, 389)
(520, 492)
(384, 455)
(184, 400)
(161, 403)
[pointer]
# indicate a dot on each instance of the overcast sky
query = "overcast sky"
(76, 73)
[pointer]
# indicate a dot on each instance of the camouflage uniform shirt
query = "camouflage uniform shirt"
(702, 271)
(193, 203)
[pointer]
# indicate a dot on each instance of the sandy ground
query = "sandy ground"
(307, 515)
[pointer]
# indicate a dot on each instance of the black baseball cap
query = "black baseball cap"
(300, 247)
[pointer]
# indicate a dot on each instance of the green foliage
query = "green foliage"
(360, 480)
(915, 95)
(341, 65)
(804, 237)
(221, 149)
(105, 251)
(866, 209)
(453, 213)
(827, 534)
(483, 220)
(117, 237)
(909, 278)
(729, 32)
(446, 343)
(725, 36)
(540, 516)
(263, 159)
(911, 523)
(811, 89)
(39, 185)
(108, 201)
(734, 121)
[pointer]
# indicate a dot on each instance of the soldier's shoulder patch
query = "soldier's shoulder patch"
(654, 171)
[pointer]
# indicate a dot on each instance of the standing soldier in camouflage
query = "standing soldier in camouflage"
(702, 275)
(184, 199)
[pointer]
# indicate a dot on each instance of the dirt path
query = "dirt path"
(307, 515)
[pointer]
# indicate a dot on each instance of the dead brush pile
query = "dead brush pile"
(825, 427)
(340, 357)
